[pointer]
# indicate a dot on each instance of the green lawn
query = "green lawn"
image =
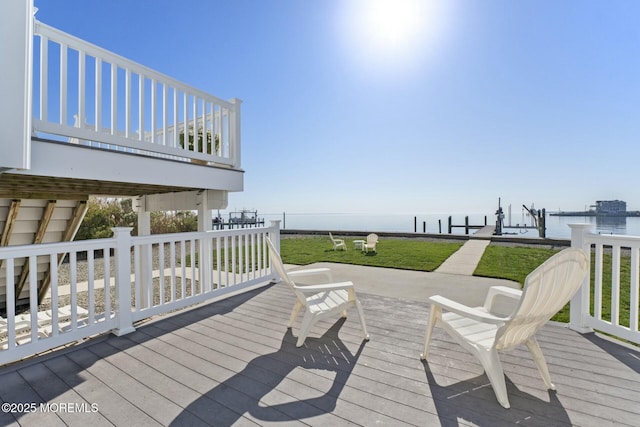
(513, 263)
(392, 253)
(503, 262)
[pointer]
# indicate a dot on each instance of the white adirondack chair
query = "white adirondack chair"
(319, 301)
(372, 241)
(337, 243)
(546, 290)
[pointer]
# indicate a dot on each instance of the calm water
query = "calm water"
(557, 227)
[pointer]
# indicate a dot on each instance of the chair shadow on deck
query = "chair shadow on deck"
(247, 391)
(286, 384)
(473, 401)
(623, 353)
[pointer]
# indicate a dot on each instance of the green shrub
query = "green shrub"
(103, 214)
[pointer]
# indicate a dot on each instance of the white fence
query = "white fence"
(89, 95)
(600, 303)
(92, 292)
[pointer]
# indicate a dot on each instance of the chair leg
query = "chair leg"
(541, 363)
(294, 312)
(361, 315)
(307, 322)
(434, 315)
(492, 366)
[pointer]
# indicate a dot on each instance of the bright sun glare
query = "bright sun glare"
(391, 32)
(391, 24)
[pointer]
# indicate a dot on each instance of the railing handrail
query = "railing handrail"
(22, 251)
(613, 240)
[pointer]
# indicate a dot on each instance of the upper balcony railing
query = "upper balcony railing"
(87, 95)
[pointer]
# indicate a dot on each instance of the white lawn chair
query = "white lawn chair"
(337, 243)
(372, 241)
(319, 301)
(546, 290)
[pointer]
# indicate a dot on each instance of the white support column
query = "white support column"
(146, 261)
(235, 133)
(205, 215)
(16, 51)
(205, 223)
(123, 280)
(579, 306)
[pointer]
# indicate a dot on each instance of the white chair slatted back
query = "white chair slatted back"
(546, 290)
(276, 262)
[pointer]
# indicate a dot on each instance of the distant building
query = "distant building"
(612, 208)
(608, 207)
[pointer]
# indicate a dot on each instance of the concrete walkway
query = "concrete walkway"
(466, 259)
(407, 284)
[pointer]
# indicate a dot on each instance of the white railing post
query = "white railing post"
(122, 236)
(579, 306)
(274, 236)
(235, 133)
(16, 51)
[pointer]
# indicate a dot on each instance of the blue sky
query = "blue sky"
(441, 109)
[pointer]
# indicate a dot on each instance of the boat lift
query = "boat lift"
(537, 216)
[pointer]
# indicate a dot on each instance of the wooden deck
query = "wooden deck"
(234, 363)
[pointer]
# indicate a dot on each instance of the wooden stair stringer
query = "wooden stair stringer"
(33, 221)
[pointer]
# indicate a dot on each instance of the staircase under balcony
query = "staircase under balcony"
(34, 221)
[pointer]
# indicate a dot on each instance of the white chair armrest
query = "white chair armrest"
(327, 287)
(463, 310)
(311, 272)
(505, 291)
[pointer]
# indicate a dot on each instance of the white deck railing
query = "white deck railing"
(93, 293)
(598, 305)
(85, 94)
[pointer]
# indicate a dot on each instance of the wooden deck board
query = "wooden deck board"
(112, 406)
(234, 362)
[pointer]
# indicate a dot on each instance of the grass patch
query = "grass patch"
(512, 263)
(392, 253)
